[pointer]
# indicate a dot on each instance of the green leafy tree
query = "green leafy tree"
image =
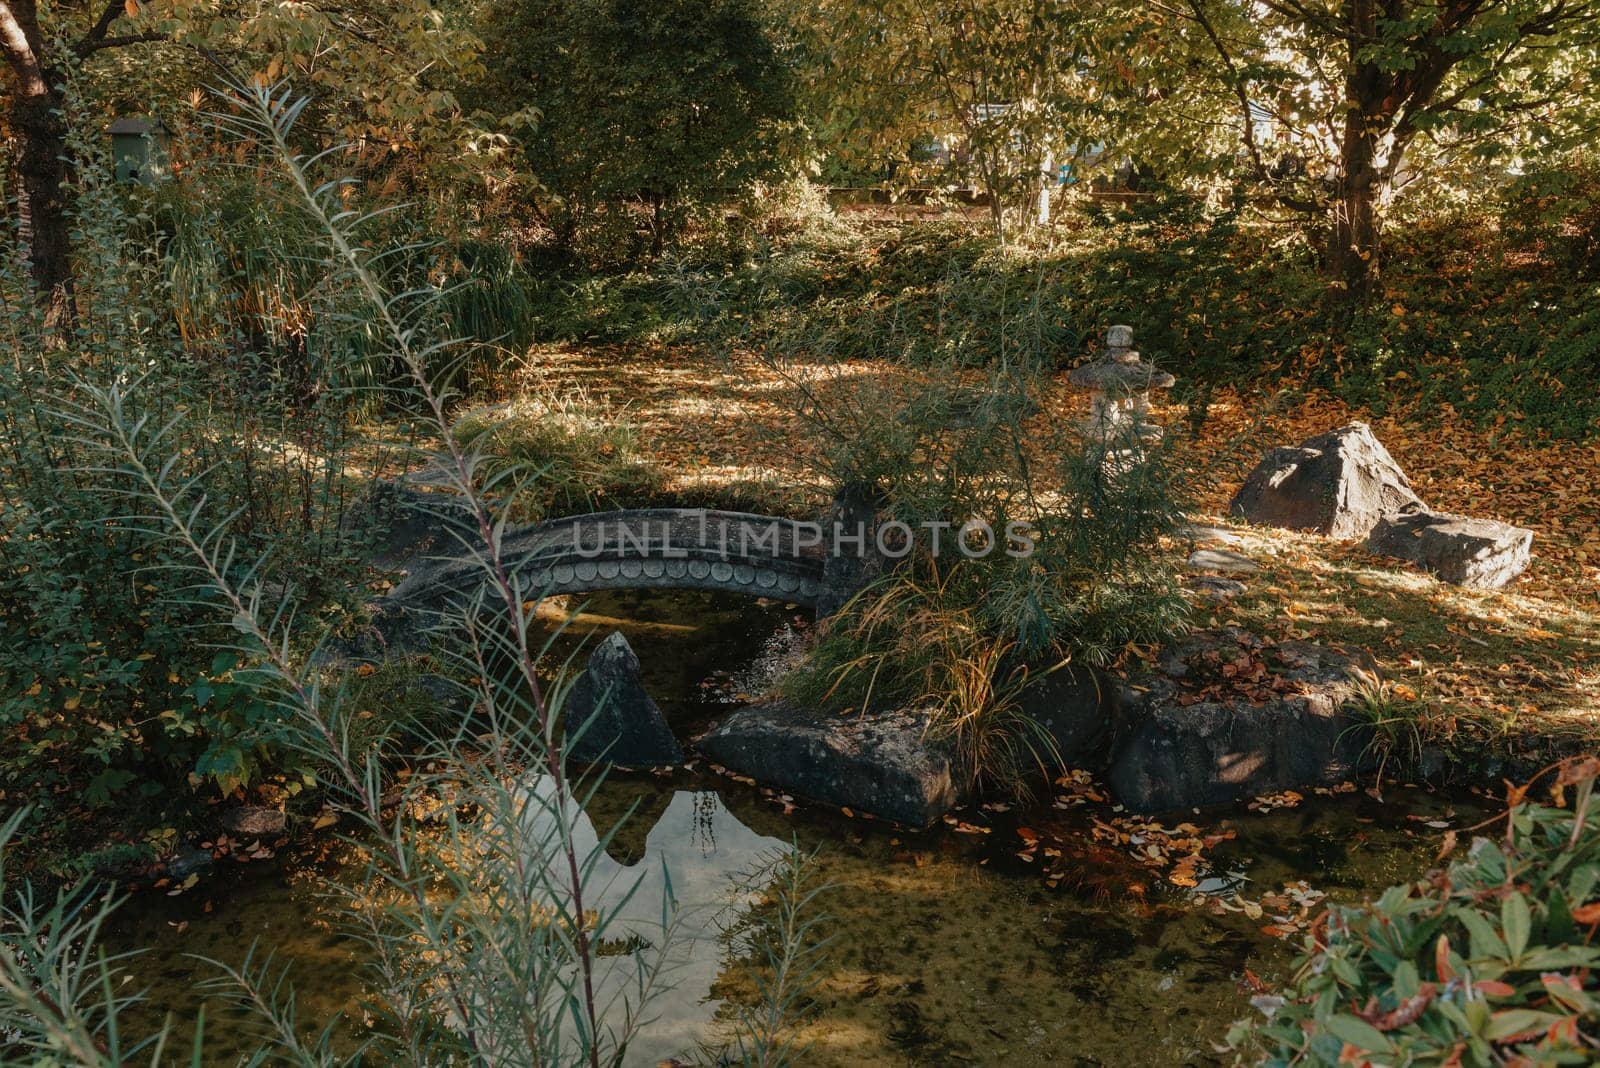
(1000, 83)
(1335, 105)
(625, 108)
(380, 71)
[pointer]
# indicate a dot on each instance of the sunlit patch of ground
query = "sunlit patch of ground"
(1506, 670)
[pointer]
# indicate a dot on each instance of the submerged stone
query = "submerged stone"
(611, 719)
(187, 861)
(874, 762)
(1225, 717)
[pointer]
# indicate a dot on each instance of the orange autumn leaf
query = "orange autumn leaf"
(1441, 959)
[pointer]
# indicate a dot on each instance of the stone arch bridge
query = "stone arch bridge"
(650, 548)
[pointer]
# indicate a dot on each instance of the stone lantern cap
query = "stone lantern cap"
(1119, 369)
(1120, 377)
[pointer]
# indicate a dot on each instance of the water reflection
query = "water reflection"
(947, 948)
(690, 838)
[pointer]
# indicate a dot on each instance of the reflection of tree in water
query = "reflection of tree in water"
(706, 806)
(628, 811)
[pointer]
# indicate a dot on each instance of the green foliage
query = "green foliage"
(1558, 206)
(583, 460)
(111, 688)
(999, 87)
(246, 285)
(958, 626)
(630, 115)
(1486, 962)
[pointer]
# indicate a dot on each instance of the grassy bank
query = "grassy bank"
(1474, 317)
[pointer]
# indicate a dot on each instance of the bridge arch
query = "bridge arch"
(647, 548)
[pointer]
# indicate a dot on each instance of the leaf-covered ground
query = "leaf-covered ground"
(1515, 672)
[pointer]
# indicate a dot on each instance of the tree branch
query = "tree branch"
(87, 48)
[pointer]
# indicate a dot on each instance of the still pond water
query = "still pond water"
(1052, 936)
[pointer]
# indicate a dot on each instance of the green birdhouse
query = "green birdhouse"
(139, 150)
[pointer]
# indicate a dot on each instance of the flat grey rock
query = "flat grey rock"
(1338, 484)
(1206, 534)
(1222, 560)
(876, 762)
(1225, 717)
(611, 719)
(1483, 553)
(1215, 588)
(254, 821)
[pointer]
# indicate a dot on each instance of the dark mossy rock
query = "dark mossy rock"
(1340, 484)
(254, 821)
(611, 719)
(1080, 709)
(1225, 717)
(876, 762)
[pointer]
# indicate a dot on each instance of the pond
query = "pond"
(1064, 933)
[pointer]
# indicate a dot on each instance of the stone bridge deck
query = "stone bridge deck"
(651, 548)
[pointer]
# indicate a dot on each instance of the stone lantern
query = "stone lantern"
(1119, 386)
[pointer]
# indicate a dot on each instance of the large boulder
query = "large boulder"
(611, 719)
(874, 762)
(1339, 484)
(1224, 717)
(1468, 552)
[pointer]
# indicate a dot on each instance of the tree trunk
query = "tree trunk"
(1354, 231)
(1046, 183)
(1356, 227)
(41, 164)
(989, 174)
(41, 170)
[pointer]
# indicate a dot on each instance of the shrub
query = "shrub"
(1486, 962)
(959, 634)
(110, 685)
(583, 460)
